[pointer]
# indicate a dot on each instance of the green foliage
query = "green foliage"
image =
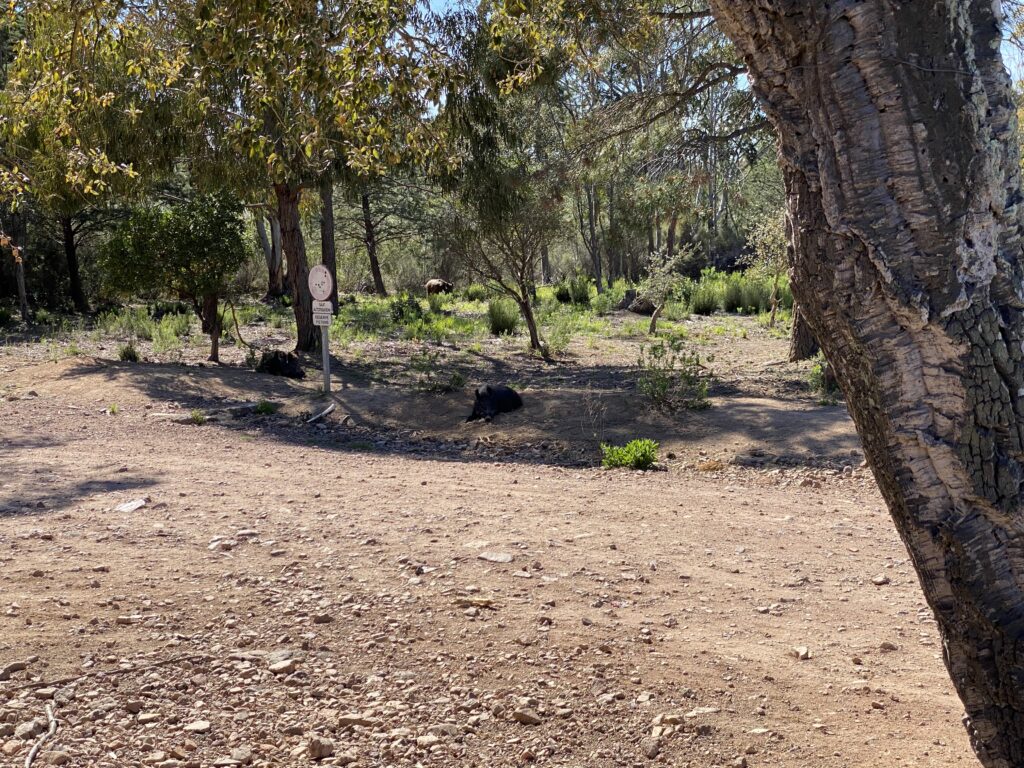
(579, 289)
(130, 321)
(562, 294)
(197, 417)
(437, 302)
(602, 304)
(475, 292)
(822, 382)
(113, 409)
(705, 298)
(672, 378)
(405, 308)
(128, 353)
(732, 294)
(636, 454)
(266, 408)
(502, 316)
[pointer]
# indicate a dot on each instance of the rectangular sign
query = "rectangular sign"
(322, 318)
(322, 306)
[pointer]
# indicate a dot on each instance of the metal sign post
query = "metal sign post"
(320, 285)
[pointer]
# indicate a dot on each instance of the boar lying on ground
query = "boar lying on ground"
(438, 286)
(279, 363)
(490, 401)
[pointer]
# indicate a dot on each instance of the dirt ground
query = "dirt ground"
(391, 586)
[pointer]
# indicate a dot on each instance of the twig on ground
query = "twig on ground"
(42, 739)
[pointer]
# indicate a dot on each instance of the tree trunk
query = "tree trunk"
(67, 226)
(211, 324)
(272, 255)
(19, 278)
(531, 324)
(593, 211)
(328, 251)
(371, 246)
(653, 327)
(803, 345)
(545, 265)
(288, 196)
(895, 125)
(670, 243)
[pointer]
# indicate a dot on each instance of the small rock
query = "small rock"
(148, 717)
(320, 747)
(427, 741)
(11, 747)
(495, 557)
(526, 716)
(650, 747)
(242, 755)
(800, 652)
(887, 646)
(29, 730)
(880, 581)
(285, 667)
(199, 726)
(739, 762)
(323, 618)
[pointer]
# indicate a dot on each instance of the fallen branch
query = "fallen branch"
(329, 409)
(105, 672)
(42, 739)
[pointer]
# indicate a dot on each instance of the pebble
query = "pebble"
(495, 557)
(527, 716)
(320, 747)
(650, 747)
(199, 726)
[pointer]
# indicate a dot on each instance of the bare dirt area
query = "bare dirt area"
(390, 586)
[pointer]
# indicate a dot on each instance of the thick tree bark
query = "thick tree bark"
(294, 246)
(531, 323)
(370, 237)
(67, 226)
(19, 278)
(545, 265)
(653, 327)
(670, 242)
(594, 245)
(328, 251)
(209, 314)
(272, 255)
(803, 345)
(896, 142)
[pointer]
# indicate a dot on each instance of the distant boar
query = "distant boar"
(490, 401)
(276, 362)
(438, 286)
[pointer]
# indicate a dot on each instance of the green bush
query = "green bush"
(579, 290)
(671, 378)
(562, 294)
(266, 408)
(436, 301)
(757, 295)
(130, 321)
(128, 353)
(636, 454)
(822, 382)
(704, 299)
(405, 308)
(602, 304)
(475, 292)
(502, 316)
(732, 295)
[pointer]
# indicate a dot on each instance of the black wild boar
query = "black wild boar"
(490, 401)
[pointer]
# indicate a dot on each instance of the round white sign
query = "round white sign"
(320, 282)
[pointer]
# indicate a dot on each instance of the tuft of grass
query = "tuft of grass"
(502, 316)
(475, 292)
(705, 299)
(113, 410)
(197, 417)
(579, 290)
(266, 408)
(128, 353)
(636, 454)
(671, 377)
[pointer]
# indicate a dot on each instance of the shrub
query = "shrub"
(5, 316)
(436, 302)
(562, 294)
(822, 382)
(266, 408)
(197, 417)
(636, 454)
(579, 290)
(602, 305)
(704, 299)
(757, 295)
(502, 316)
(128, 353)
(475, 292)
(405, 308)
(671, 378)
(732, 295)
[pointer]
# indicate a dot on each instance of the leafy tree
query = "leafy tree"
(769, 243)
(189, 250)
(286, 83)
(663, 281)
